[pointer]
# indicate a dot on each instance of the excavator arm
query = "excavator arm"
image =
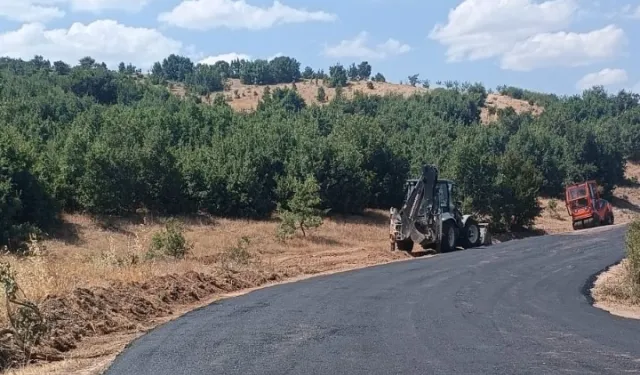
(418, 219)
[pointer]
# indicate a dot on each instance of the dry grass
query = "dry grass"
(99, 257)
(615, 292)
(94, 265)
(497, 101)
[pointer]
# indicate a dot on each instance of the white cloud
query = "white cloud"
(605, 77)
(479, 29)
(30, 11)
(47, 10)
(104, 40)
(565, 49)
(524, 34)
(358, 48)
(237, 14)
(228, 57)
(97, 6)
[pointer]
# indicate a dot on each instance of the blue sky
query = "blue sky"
(561, 46)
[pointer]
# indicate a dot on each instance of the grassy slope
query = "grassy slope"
(96, 273)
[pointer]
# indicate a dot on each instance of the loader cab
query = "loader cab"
(447, 193)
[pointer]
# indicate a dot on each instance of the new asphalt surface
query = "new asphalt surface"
(520, 307)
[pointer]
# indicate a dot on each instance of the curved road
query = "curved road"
(513, 308)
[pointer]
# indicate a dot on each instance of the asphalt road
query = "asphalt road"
(513, 308)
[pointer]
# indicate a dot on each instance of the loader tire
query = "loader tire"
(406, 245)
(449, 237)
(471, 234)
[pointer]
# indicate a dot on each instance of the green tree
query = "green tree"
(285, 69)
(379, 78)
(308, 73)
(337, 76)
(354, 73)
(302, 210)
(413, 79)
(61, 68)
(364, 70)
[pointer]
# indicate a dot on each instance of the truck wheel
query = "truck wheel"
(471, 234)
(406, 245)
(449, 237)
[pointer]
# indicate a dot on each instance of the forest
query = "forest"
(88, 139)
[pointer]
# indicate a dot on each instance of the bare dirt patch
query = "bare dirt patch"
(497, 101)
(246, 97)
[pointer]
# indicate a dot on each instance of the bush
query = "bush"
(170, 241)
(633, 255)
(321, 96)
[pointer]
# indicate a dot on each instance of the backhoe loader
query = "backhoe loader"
(430, 218)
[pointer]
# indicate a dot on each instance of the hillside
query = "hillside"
(96, 163)
(95, 272)
(243, 97)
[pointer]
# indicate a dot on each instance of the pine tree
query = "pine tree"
(302, 210)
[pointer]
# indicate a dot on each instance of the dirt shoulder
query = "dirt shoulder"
(613, 292)
(98, 290)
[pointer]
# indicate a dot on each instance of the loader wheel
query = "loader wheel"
(449, 237)
(406, 245)
(471, 234)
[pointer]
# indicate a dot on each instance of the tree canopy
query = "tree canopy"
(86, 138)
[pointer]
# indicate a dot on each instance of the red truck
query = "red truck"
(586, 207)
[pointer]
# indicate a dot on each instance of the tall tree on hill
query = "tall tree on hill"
(354, 73)
(337, 76)
(285, 69)
(308, 73)
(364, 70)
(177, 68)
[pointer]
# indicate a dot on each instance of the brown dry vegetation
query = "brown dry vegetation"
(246, 97)
(97, 283)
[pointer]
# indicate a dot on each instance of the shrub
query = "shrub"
(28, 325)
(633, 255)
(553, 208)
(321, 95)
(170, 241)
(301, 211)
(238, 254)
(370, 85)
